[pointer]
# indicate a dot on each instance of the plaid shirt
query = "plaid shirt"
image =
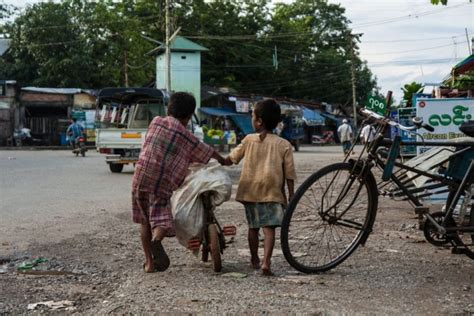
(168, 150)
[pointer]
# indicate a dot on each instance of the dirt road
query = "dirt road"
(75, 213)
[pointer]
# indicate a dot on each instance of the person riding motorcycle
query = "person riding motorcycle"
(74, 131)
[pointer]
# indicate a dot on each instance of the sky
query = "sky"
(410, 40)
(404, 40)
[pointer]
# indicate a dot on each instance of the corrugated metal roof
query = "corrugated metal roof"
(4, 45)
(180, 44)
(58, 90)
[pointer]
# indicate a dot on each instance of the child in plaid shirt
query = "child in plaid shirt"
(168, 150)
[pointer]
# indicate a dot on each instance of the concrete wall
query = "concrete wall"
(84, 101)
(185, 73)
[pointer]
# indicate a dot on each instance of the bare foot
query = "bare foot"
(148, 267)
(255, 263)
(267, 272)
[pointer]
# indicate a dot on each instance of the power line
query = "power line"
(415, 50)
(410, 16)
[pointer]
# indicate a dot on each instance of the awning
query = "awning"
(312, 117)
(242, 121)
(129, 96)
(332, 117)
(464, 66)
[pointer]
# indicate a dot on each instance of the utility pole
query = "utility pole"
(353, 80)
(168, 48)
(468, 47)
(125, 61)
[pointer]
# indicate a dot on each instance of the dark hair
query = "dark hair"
(181, 105)
(74, 119)
(269, 112)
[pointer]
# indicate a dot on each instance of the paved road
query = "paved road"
(50, 195)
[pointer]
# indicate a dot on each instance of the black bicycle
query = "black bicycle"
(334, 210)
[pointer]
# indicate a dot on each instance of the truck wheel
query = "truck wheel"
(116, 167)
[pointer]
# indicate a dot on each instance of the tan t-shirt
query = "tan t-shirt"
(267, 165)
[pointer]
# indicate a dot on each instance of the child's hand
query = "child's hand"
(227, 162)
(223, 161)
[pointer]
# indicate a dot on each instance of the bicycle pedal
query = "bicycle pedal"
(229, 230)
(194, 244)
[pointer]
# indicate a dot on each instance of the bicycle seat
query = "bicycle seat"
(467, 128)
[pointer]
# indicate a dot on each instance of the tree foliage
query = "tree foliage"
(303, 49)
(409, 89)
(436, 2)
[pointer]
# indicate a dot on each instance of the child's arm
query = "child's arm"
(223, 161)
(235, 155)
(291, 188)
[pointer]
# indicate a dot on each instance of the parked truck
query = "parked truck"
(122, 119)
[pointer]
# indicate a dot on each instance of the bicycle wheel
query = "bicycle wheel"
(215, 247)
(332, 212)
(463, 240)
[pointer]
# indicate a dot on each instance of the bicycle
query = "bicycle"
(212, 240)
(333, 211)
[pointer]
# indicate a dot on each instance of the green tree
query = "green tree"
(78, 44)
(301, 50)
(317, 55)
(409, 89)
(436, 2)
(443, 2)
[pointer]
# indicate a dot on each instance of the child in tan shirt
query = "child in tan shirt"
(268, 164)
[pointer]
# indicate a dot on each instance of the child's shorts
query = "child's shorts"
(268, 214)
(147, 207)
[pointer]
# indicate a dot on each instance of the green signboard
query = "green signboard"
(376, 104)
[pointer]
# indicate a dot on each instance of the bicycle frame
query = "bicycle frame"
(373, 158)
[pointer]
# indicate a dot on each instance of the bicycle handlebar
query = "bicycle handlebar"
(381, 118)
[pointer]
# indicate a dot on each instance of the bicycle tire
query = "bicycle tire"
(215, 247)
(463, 241)
(365, 223)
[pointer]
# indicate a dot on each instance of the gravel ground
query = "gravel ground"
(94, 255)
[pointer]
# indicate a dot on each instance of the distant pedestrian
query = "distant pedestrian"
(268, 164)
(345, 136)
(163, 163)
(367, 134)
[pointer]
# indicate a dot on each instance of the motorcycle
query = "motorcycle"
(79, 146)
(23, 137)
(326, 138)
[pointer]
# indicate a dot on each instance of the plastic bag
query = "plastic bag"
(187, 207)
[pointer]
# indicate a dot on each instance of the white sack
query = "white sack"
(187, 207)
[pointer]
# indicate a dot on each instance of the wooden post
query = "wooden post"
(125, 67)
